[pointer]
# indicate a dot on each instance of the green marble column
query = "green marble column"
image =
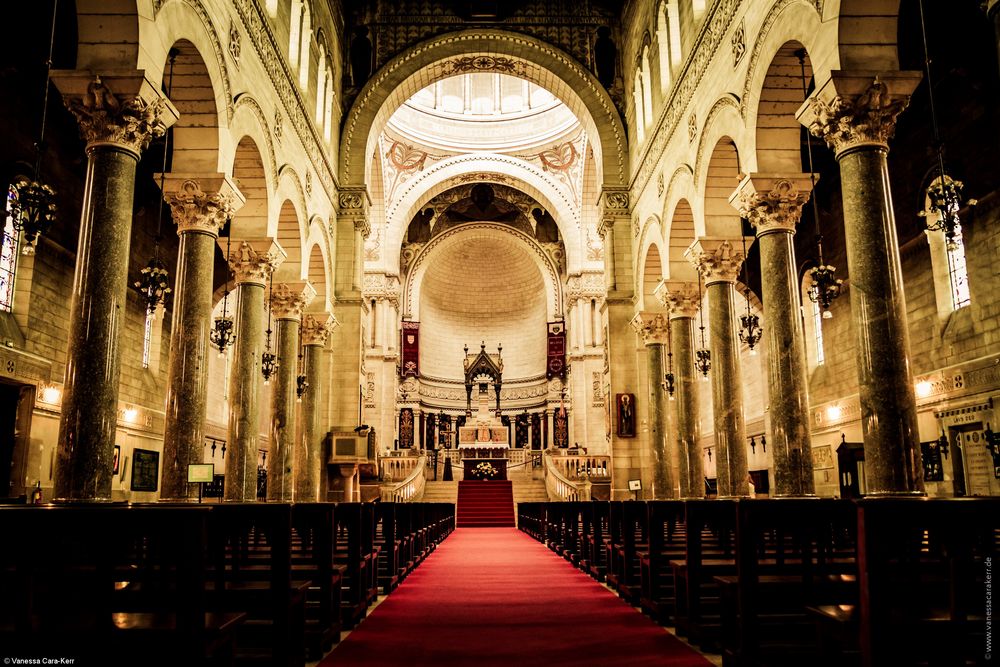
(993, 12)
(315, 331)
(773, 204)
(719, 262)
(855, 113)
(287, 303)
(653, 329)
(681, 300)
(252, 262)
(117, 118)
(199, 216)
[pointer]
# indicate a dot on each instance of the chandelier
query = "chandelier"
(825, 286)
(268, 360)
(34, 210)
(669, 381)
(223, 333)
(702, 357)
(945, 193)
(153, 284)
(301, 383)
(750, 332)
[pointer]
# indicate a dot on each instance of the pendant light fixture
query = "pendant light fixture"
(825, 285)
(154, 280)
(669, 381)
(945, 193)
(703, 356)
(750, 332)
(301, 383)
(33, 210)
(223, 329)
(268, 360)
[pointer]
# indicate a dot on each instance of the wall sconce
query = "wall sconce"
(51, 395)
(833, 412)
(131, 415)
(923, 389)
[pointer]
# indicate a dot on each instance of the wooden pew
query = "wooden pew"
(667, 535)
(314, 558)
(625, 575)
(393, 537)
(110, 585)
(251, 571)
(922, 570)
(594, 539)
(790, 553)
(355, 528)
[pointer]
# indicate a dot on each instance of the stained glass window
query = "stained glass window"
(958, 273)
(8, 253)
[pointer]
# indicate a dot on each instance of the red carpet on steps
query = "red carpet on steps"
(485, 504)
(494, 596)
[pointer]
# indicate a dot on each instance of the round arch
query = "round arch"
(463, 51)
(681, 236)
(461, 233)
(652, 265)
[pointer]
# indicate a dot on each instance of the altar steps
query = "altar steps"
(485, 504)
(440, 492)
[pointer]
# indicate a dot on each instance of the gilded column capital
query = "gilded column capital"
(717, 259)
(681, 298)
(772, 202)
(352, 205)
(201, 203)
(854, 109)
(122, 109)
(317, 327)
(289, 300)
(253, 260)
(653, 327)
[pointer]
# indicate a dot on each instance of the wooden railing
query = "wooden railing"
(562, 486)
(410, 488)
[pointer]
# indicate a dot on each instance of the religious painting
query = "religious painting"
(116, 461)
(145, 470)
(626, 415)
(406, 428)
(822, 457)
(931, 459)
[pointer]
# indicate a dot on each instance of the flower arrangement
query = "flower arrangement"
(485, 470)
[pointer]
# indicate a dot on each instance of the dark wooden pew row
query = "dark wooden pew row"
(314, 557)
(667, 538)
(922, 569)
(790, 554)
(623, 548)
(111, 585)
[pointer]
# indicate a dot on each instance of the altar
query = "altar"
(485, 441)
(485, 469)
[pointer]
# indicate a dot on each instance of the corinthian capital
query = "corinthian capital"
(653, 328)
(253, 260)
(717, 259)
(317, 327)
(353, 206)
(121, 109)
(856, 109)
(681, 298)
(201, 203)
(772, 202)
(288, 300)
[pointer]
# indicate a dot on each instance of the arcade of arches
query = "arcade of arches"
(285, 229)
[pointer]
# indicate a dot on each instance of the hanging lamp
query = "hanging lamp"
(223, 332)
(301, 383)
(703, 356)
(750, 332)
(268, 360)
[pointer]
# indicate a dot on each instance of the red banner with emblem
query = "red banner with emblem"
(409, 363)
(555, 365)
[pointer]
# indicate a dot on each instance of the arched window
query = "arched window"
(272, 8)
(663, 47)
(8, 252)
(321, 80)
(328, 104)
(674, 30)
(295, 32)
(306, 35)
(698, 6)
(813, 326)
(640, 122)
(647, 88)
(948, 266)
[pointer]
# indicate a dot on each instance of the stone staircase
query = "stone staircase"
(485, 504)
(529, 491)
(440, 492)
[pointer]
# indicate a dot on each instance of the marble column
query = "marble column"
(252, 262)
(855, 113)
(316, 329)
(118, 116)
(288, 300)
(993, 12)
(719, 260)
(773, 205)
(682, 301)
(655, 336)
(199, 206)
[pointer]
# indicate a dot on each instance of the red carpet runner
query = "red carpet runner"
(494, 596)
(485, 504)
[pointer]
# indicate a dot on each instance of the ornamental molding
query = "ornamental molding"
(254, 260)
(381, 287)
(680, 298)
(245, 100)
(589, 285)
(194, 210)
(317, 327)
(454, 41)
(717, 259)
(293, 176)
(352, 206)
(858, 109)
(289, 300)
(283, 80)
(725, 102)
(679, 173)
(762, 33)
(772, 203)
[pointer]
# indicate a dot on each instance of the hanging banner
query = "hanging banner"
(409, 364)
(555, 365)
